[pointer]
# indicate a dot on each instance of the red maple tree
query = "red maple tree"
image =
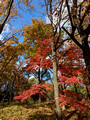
(68, 97)
(41, 59)
(39, 89)
(71, 61)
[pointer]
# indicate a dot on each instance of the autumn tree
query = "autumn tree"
(8, 10)
(40, 63)
(33, 35)
(78, 15)
(73, 16)
(38, 48)
(10, 47)
(9, 71)
(56, 42)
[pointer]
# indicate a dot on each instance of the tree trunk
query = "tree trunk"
(39, 80)
(86, 55)
(75, 86)
(47, 99)
(56, 88)
(88, 92)
(5, 15)
(87, 63)
(39, 100)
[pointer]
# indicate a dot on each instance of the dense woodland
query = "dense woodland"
(46, 62)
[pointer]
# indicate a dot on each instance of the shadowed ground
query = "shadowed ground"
(35, 111)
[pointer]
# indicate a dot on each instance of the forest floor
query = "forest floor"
(36, 111)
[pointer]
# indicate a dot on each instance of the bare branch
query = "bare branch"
(60, 44)
(68, 8)
(44, 73)
(73, 38)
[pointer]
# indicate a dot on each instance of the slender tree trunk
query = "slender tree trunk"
(39, 100)
(56, 88)
(75, 88)
(87, 92)
(39, 80)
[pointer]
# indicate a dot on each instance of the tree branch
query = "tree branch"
(61, 43)
(73, 38)
(43, 73)
(6, 15)
(69, 13)
(85, 14)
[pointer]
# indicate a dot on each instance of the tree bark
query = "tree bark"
(88, 92)
(6, 15)
(86, 56)
(49, 10)
(56, 88)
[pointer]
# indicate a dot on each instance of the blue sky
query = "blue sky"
(34, 14)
